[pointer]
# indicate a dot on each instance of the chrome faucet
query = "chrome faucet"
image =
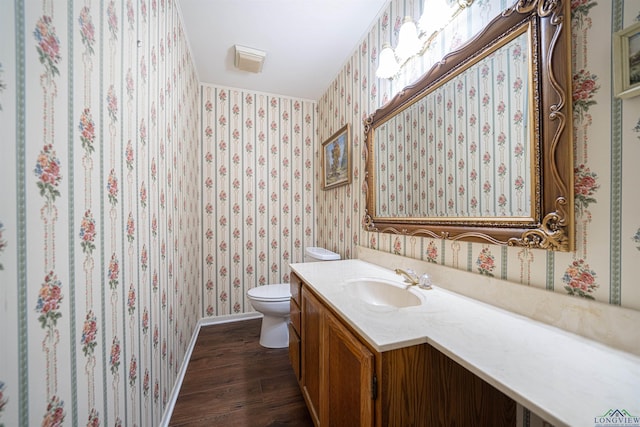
(423, 282)
(410, 276)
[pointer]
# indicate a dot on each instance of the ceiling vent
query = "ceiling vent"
(248, 59)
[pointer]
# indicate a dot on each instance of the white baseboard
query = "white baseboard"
(206, 321)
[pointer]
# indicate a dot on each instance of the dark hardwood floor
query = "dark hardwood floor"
(232, 381)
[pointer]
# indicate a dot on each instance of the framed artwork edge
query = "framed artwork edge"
(346, 131)
(622, 88)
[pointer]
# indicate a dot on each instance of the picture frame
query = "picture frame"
(626, 58)
(336, 159)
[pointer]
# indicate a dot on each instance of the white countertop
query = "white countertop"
(564, 378)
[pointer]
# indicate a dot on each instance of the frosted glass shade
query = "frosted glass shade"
(435, 16)
(408, 41)
(388, 66)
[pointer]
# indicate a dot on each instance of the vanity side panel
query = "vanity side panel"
(312, 335)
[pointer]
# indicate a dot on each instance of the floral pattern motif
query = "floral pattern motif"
(580, 280)
(49, 299)
(486, 262)
(47, 171)
(87, 233)
(584, 88)
(54, 416)
(87, 130)
(87, 30)
(48, 45)
(586, 185)
(89, 334)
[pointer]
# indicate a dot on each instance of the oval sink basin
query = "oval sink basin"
(381, 292)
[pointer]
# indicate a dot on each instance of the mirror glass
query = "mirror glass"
(480, 147)
(463, 149)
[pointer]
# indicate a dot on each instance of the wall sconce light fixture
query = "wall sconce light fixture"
(436, 15)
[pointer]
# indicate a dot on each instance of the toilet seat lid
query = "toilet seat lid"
(277, 292)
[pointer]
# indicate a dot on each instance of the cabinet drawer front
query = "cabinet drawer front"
(295, 285)
(295, 316)
(294, 351)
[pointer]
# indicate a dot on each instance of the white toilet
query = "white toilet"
(273, 302)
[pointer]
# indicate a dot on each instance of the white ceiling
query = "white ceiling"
(307, 41)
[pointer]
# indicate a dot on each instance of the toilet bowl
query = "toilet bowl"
(273, 302)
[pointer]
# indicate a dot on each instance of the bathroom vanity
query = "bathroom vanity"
(447, 360)
(347, 380)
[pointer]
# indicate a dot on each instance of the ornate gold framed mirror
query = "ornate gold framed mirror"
(480, 147)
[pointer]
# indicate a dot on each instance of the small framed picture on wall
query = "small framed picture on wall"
(336, 159)
(626, 57)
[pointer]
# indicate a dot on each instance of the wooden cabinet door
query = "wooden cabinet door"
(347, 378)
(312, 311)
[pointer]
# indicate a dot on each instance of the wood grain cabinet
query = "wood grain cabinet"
(346, 382)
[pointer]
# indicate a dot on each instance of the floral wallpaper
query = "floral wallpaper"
(257, 194)
(605, 265)
(99, 233)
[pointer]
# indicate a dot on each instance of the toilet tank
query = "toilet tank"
(315, 254)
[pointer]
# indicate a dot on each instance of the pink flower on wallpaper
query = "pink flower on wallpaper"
(472, 93)
(486, 262)
(133, 370)
(208, 106)
(145, 320)
(500, 78)
(129, 155)
(486, 188)
(47, 171)
(114, 357)
(236, 233)
(48, 45)
(49, 299)
(144, 258)
(112, 20)
(502, 201)
(89, 334)
(486, 129)
(208, 183)
(87, 130)
(517, 85)
(222, 221)
(131, 300)
(484, 71)
(222, 120)
(585, 187)
(222, 146)
(130, 228)
(143, 195)
(580, 280)
(87, 30)
(94, 418)
(518, 183)
(517, 117)
(502, 169)
(473, 202)
(222, 246)
(54, 417)
(223, 296)
(113, 271)
(249, 245)
(145, 383)
(461, 190)
(584, 88)
(432, 252)
(486, 158)
(87, 233)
